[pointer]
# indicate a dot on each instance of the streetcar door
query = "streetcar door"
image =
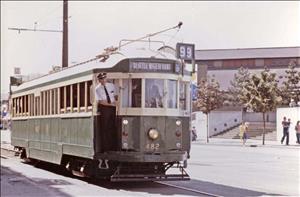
(106, 119)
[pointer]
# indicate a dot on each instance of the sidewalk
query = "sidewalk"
(6, 141)
(249, 143)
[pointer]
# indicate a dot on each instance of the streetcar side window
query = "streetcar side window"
(30, 105)
(90, 93)
(26, 109)
(68, 97)
(47, 103)
(56, 101)
(42, 103)
(13, 108)
(75, 96)
(82, 94)
(37, 105)
(23, 105)
(52, 101)
(62, 98)
(16, 106)
(154, 93)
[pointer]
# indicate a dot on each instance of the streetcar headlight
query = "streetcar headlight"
(125, 122)
(178, 122)
(125, 145)
(178, 145)
(153, 134)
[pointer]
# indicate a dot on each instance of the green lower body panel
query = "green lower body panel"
(44, 155)
(48, 139)
(77, 150)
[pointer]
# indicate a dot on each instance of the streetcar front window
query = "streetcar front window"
(131, 94)
(172, 94)
(183, 96)
(154, 93)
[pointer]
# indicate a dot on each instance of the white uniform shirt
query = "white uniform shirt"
(100, 92)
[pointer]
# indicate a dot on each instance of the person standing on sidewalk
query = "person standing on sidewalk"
(286, 126)
(243, 132)
(297, 128)
(245, 136)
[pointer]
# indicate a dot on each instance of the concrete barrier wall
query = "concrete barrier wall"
(218, 122)
(258, 117)
(222, 120)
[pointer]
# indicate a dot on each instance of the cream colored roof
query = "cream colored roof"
(110, 62)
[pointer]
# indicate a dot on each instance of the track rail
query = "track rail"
(188, 189)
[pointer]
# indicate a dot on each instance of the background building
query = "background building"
(222, 64)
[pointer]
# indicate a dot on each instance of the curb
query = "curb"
(234, 144)
(7, 152)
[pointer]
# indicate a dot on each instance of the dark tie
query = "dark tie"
(107, 96)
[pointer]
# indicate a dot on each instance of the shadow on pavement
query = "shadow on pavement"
(203, 186)
(221, 190)
(154, 187)
(150, 188)
(16, 184)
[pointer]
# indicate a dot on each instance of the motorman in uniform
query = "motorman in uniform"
(106, 97)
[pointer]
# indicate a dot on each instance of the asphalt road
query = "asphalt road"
(222, 167)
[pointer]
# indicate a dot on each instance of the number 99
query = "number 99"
(189, 52)
(182, 51)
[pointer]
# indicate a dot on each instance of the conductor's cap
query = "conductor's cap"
(101, 76)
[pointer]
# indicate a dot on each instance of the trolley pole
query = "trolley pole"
(65, 35)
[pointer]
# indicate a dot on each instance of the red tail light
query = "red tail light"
(178, 133)
(124, 133)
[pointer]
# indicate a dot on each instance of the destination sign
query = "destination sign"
(151, 67)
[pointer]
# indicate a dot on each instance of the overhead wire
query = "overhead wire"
(43, 20)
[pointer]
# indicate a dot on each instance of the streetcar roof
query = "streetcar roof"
(113, 59)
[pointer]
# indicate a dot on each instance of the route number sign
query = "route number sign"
(185, 51)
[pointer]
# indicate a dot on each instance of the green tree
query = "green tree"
(291, 85)
(261, 94)
(237, 84)
(209, 97)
